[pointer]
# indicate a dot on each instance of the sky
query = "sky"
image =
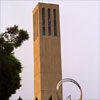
(79, 29)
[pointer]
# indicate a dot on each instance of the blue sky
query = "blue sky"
(79, 26)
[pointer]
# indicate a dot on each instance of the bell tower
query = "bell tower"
(47, 51)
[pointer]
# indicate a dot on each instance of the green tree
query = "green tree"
(10, 66)
(50, 98)
(19, 98)
(36, 98)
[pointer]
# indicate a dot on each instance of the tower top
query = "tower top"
(40, 3)
(45, 5)
(46, 21)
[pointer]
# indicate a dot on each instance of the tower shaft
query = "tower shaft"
(47, 51)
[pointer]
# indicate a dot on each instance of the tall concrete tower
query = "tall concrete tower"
(47, 51)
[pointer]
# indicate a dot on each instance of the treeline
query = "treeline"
(50, 98)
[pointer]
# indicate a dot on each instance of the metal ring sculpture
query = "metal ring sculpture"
(67, 80)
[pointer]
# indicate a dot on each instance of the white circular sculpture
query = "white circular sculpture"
(67, 80)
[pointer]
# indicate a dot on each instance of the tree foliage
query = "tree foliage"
(10, 66)
(19, 98)
(36, 98)
(12, 38)
(50, 98)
